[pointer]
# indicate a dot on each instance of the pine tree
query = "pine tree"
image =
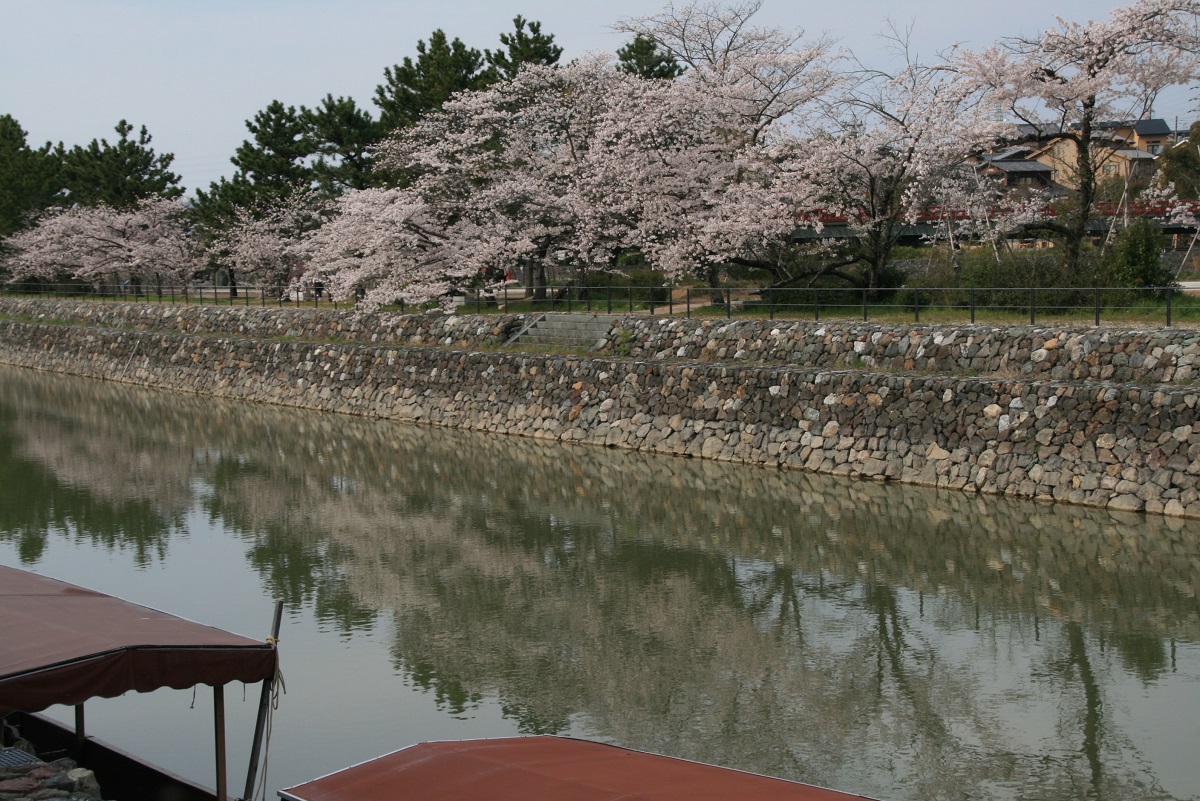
(271, 165)
(277, 159)
(341, 136)
(1180, 165)
(413, 88)
(522, 47)
(643, 57)
(117, 174)
(28, 177)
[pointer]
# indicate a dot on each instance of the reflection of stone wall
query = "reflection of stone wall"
(331, 475)
(1126, 447)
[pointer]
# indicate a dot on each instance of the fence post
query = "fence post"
(651, 301)
(1097, 306)
(568, 297)
(1033, 305)
(1168, 307)
(687, 298)
(670, 301)
(972, 305)
(864, 305)
(916, 305)
(728, 303)
(610, 298)
(816, 306)
(629, 292)
(771, 302)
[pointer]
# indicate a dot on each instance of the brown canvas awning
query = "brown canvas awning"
(62, 644)
(549, 769)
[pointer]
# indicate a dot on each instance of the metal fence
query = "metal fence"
(190, 294)
(1004, 305)
(1008, 305)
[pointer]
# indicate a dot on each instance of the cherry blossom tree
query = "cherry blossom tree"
(387, 245)
(147, 244)
(891, 147)
(266, 244)
(765, 81)
(571, 167)
(1070, 79)
(509, 160)
(767, 74)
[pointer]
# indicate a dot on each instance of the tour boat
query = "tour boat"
(548, 768)
(64, 644)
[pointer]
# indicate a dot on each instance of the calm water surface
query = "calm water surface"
(897, 642)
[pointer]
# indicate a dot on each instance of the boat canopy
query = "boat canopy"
(64, 644)
(545, 767)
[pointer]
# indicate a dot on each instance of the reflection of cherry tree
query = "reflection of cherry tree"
(773, 624)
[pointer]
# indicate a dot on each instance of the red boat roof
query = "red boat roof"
(548, 769)
(64, 644)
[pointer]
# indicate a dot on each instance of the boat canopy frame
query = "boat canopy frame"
(64, 644)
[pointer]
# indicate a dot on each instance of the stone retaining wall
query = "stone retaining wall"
(1122, 446)
(1081, 354)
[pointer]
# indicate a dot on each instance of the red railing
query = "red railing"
(941, 213)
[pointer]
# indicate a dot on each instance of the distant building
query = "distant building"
(1123, 151)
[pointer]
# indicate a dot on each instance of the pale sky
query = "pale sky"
(193, 71)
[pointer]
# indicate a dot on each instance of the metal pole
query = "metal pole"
(264, 705)
(728, 303)
(771, 302)
(610, 298)
(1097, 305)
(816, 306)
(1168, 307)
(864, 305)
(916, 305)
(1032, 305)
(972, 305)
(219, 732)
(687, 298)
(80, 731)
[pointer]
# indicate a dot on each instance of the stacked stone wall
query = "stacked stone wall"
(1120, 445)
(1157, 356)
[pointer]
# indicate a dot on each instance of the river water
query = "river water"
(894, 641)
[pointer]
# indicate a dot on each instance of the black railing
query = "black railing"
(190, 294)
(1003, 305)
(1006, 305)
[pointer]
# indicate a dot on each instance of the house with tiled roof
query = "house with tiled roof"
(1125, 151)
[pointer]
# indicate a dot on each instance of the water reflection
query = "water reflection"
(902, 642)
